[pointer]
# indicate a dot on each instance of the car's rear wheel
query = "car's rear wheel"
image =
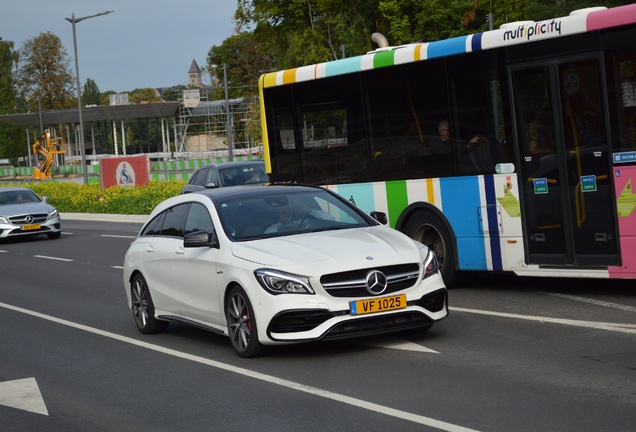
(143, 308)
(241, 324)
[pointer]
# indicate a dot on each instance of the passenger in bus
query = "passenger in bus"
(441, 144)
(482, 149)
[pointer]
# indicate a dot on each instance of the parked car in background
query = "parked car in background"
(278, 264)
(23, 212)
(227, 174)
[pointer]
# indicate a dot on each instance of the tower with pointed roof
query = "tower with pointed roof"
(194, 75)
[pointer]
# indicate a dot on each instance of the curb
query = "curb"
(104, 217)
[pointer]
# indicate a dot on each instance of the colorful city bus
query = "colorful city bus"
(511, 150)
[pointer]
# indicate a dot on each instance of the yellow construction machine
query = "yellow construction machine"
(47, 148)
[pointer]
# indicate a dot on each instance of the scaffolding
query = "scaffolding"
(202, 126)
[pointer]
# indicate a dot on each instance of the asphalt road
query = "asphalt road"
(515, 354)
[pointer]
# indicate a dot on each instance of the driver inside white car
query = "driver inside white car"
(295, 216)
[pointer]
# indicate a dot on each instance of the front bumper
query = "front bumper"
(15, 230)
(323, 324)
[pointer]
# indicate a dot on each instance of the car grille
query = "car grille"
(22, 219)
(353, 283)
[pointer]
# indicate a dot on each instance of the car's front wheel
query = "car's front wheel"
(143, 308)
(241, 324)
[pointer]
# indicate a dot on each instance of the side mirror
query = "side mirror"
(45, 198)
(380, 217)
(211, 185)
(200, 239)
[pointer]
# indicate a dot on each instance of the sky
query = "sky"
(143, 43)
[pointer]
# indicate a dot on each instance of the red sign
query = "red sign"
(124, 171)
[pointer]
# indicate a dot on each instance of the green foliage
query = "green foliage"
(245, 63)
(544, 9)
(8, 61)
(90, 93)
(69, 197)
(45, 73)
(10, 137)
(104, 98)
(173, 94)
(148, 95)
(294, 33)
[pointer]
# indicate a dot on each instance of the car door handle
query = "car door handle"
(150, 249)
(179, 251)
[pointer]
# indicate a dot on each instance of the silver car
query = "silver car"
(227, 174)
(23, 212)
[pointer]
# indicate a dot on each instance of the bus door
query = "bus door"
(564, 159)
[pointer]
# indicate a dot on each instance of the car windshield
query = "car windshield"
(246, 174)
(287, 212)
(18, 197)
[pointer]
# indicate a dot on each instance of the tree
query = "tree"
(10, 137)
(173, 94)
(300, 32)
(44, 72)
(8, 62)
(245, 62)
(545, 9)
(144, 95)
(90, 93)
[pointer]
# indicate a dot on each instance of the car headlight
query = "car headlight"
(277, 282)
(430, 264)
(53, 214)
(3, 220)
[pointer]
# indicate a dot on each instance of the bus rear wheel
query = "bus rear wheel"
(428, 228)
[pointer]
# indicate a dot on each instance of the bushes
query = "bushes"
(69, 197)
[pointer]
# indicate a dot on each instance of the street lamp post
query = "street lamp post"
(73, 21)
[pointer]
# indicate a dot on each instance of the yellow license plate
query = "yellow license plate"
(30, 227)
(380, 304)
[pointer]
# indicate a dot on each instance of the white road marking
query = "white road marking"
(3, 251)
(398, 343)
(592, 301)
(404, 415)
(118, 267)
(23, 394)
(53, 258)
(617, 327)
(118, 236)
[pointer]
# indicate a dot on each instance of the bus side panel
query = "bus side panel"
(624, 179)
(461, 203)
(458, 198)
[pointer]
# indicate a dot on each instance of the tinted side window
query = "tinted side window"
(200, 177)
(212, 176)
(198, 219)
(154, 227)
(173, 222)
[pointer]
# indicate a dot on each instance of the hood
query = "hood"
(25, 208)
(343, 247)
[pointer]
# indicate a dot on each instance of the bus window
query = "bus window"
(623, 93)
(404, 108)
(479, 124)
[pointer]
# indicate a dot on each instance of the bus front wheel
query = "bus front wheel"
(428, 228)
